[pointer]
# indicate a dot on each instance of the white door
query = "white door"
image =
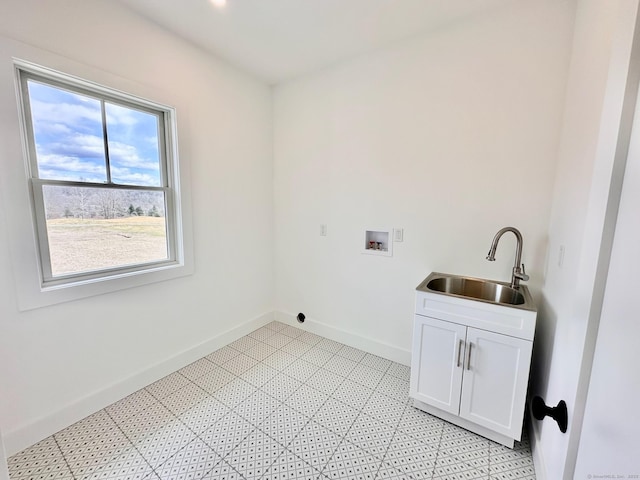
(495, 381)
(610, 440)
(436, 365)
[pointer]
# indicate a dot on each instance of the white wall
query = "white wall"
(609, 442)
(58, 362)
(583, 204)
(450, 135)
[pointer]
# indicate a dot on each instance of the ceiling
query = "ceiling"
(277, 40)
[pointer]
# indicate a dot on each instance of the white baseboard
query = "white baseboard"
(45, 426)
(536, 453)
(18, 439)
(356, 340)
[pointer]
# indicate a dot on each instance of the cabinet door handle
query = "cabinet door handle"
(469, 356)
(460, 344)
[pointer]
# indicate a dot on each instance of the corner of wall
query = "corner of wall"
(355, 340)
(4, 469)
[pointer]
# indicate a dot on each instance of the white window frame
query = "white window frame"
(115, 278)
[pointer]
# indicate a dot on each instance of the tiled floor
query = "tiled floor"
(280, 403)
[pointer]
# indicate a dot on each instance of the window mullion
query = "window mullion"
(105, 137)
(115, 186)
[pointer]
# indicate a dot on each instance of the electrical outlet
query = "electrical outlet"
(398, 234)
(323, 230)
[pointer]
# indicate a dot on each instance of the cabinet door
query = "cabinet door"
(495, 381)
(436, 364)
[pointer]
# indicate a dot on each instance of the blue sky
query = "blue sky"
(69, 142)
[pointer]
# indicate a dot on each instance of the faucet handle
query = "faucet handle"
(522, 275)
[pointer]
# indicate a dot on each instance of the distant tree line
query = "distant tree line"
(87, 202)
(139, 212)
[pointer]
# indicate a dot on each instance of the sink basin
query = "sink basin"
(477, 289)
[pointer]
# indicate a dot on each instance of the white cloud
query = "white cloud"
(65, 113)
(77, 145)
(53, 128)
(126, 176)
(129, 156)
(64, 163)
(117, 115)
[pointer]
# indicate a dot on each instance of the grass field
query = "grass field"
(79, 245)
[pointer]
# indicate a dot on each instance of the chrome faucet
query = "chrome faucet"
(518, 272)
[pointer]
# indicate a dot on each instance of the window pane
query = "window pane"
(67, 129)
(133, 146)
(98, 228)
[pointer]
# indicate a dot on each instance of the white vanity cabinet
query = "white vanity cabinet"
(470, 363)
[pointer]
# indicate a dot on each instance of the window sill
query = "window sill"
(32, 298)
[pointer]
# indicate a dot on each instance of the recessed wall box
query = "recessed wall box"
(378, 241)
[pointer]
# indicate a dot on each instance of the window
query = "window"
(103, 180)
